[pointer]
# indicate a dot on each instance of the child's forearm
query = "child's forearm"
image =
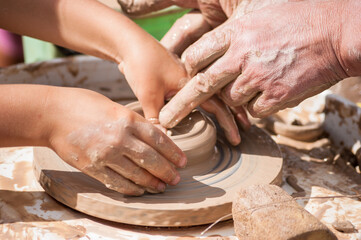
(83, 25)
(23, 120)
(91, 133)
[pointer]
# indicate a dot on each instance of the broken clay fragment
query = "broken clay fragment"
(268, 212)
(343, 226)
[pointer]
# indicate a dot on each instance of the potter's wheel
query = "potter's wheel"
(204, 194)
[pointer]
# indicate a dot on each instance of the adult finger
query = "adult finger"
(241, 117)
(271, 105)
(268, 102)
(185, 31)
(240, 91)
(139, 7)
(224, 117)
(263, 105)
(206, 50)
(197, 90)
(187, 3)
(213, 12)
(136, 174)
(148, 158)
(156, 139)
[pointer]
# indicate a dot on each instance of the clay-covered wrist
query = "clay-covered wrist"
(350, 40)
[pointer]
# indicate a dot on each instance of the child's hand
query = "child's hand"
(155, 75)
(111, 143)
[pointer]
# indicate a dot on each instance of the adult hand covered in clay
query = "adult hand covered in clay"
(272, 58)
(113, 144)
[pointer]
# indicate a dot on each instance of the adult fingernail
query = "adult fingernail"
(166, 118)
(176, 180)
(244, 121)
(161, 186)
(236, 138)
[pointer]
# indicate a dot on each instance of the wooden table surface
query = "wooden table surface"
(27, 212)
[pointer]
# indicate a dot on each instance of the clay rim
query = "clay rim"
(199, 142)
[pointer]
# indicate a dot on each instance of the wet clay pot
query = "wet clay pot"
(195, 135)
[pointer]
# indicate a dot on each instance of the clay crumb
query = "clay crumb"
(74, 157)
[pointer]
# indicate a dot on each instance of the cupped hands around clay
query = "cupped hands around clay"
(195, 135)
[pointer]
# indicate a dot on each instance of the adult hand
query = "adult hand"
(111, 143)
(190, 27)
(267, 60)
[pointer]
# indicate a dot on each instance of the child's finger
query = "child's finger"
(116, 182)
(136, 174)
(151, 159)
(161, 143)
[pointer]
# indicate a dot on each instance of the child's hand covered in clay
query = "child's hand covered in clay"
(92, 133)
(113, 144)
(153, 73)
